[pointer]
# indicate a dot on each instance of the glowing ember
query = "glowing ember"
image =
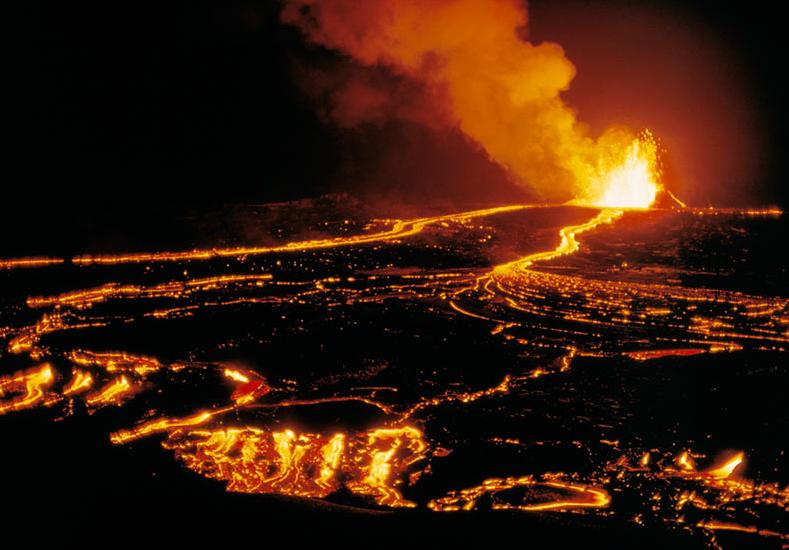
(80, 381)
(252, 460)
(727, 468)
(29, 384)
(113, 393)
(578, 496)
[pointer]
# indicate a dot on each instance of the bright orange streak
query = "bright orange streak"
(467, 499)
(745, 212)
(599, 498)
(728, 467)
(463, 397)
(713, 525)
(250, 385)
(162, 425)
(686, 462)
(399, 230)
(113, 361)
(172, 289)
(674, 198)
(80, 382)
(646, 355)
(332, 452)
(236, 375)
(111, 394)
(15, 263)
(567, 245)
(32, 382)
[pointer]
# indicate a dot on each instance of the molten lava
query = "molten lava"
(250, 439)
(626, 177)
(30, 385)
(253, 460)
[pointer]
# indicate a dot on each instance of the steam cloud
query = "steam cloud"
(465, 63)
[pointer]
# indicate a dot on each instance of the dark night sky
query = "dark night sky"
(129, 104)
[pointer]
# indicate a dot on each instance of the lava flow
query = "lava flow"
(277, 404)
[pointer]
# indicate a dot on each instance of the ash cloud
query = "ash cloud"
(456, 64)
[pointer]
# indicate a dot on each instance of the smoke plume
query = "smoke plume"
(465, 63)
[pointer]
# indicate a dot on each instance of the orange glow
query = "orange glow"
(80, 381)
(646, 355)
(685, 462)
(113, 393)
(712, 494)
(87, 297)
(273, 455)
(236, 375)
(332, 452)
(625, 177)
(656, 65)
(727, 468)
(475, 70)
(383, 460)
(567, 245)
(578, 496)
(464, 397)
(250, 385)
(116, 361)
(161, 425)
(16, 263)
(253, 460)
(400, 229)
(31, 384)
(729, 526)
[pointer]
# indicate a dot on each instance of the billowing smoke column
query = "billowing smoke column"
(473, 68)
